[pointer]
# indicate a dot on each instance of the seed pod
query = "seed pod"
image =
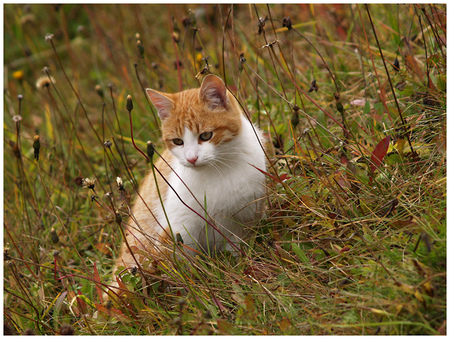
(37, 147)
(396, 65)
(150, 150)
(99, 91)
(242, 61)
(54, 236)
(129, 103)
(140, 48)
(287, 22)
(118, 218)
(339, 105)
(295, 120)
(119, 183)
(179, 238)
(313, 86)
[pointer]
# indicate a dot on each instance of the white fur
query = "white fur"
(224, 180)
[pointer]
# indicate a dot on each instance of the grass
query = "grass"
(353, 99)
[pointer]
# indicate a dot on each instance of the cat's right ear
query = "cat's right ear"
(163, 104)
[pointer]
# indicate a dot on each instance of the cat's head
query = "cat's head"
(198, 124)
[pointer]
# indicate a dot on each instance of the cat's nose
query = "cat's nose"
(192, 160)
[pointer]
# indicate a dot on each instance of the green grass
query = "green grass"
(350, 244)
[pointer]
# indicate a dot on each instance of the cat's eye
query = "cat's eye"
(206, 136)
(177, 141)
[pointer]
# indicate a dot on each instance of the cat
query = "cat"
(215, 151)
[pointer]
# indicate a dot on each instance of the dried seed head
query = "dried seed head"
(140, 48)
(339, 105)
(99, 91)
(6, 253)
(261, 24)
(129, 103)
(49, 36)
(36, 146)
(119, 183)
(44, 81)
(118, 218)
(150, 150)
(54, 236)
(176, 37)
(287, 22)
(295, 120)
(313, 86)
(88, 183)
(242, 59)
(186, 22)
(16, 118)
(396, 65)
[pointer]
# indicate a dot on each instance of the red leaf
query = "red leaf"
(378, 153)
(81, 303)
(284, 176)
(345, 249)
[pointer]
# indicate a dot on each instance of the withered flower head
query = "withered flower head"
(88, 183)
(119, 183)
(44, 81)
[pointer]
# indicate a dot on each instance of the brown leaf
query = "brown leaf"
(224, 326)
(411, 62)
(104, 248)
(285, 324)
(419, 268)
(97, 285)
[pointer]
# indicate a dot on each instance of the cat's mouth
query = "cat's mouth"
(194, 165)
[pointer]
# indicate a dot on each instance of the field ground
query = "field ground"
(353, 100)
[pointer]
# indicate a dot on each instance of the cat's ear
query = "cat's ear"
(163, 104)
(214, 92)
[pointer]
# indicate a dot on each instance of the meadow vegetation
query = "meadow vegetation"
(353, 101)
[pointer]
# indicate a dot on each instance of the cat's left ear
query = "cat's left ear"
(214, 92)
(162, 103)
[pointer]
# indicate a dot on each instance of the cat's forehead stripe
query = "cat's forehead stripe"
(191, 112)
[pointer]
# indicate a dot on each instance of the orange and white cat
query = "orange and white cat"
(215, 150)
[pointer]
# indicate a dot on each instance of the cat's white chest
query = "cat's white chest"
(227, 195)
